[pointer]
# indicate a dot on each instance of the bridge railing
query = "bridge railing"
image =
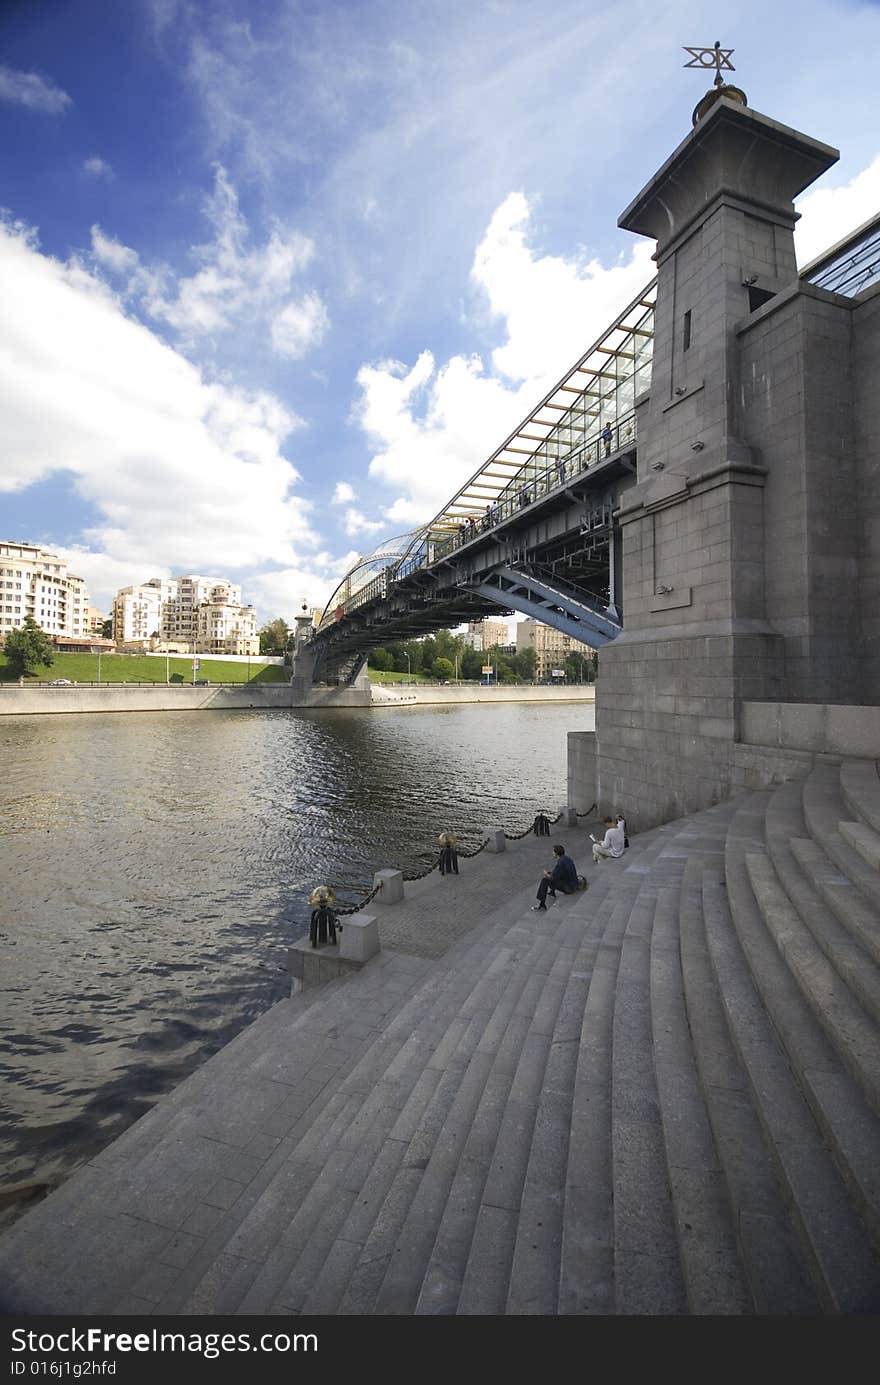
(523, 492)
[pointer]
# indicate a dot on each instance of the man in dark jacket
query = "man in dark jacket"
(562, 877)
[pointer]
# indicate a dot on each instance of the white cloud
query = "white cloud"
(356, 522)
(343, 494)
(238, 285)
(111, 253)
(432, 426)
(182, 473)
(98, 168)
(829, 214)
(31, 90)
(299, 326)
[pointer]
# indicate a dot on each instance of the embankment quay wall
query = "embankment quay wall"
(401, 694)
(177, 697)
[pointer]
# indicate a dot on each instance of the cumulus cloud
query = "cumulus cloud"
(97, 167)
(31, 90)
(177, 468)
(829, 214)
(431, 425)
(343, 494)
(237, 284)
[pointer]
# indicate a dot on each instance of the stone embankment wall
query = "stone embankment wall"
(123, 697)
(401, 694)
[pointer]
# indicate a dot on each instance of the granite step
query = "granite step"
(464, 1067)
(586, 1276)
(824, 811)
(805, 1099)
(860, 789)
(785, 833)
(847, 903)
(445, 1271)
(768, 1248)
(852, 1032)
(410, 1093)
(254, 1236)
(714, 1278)
(864, 840)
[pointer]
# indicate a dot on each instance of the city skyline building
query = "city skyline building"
(191, 614)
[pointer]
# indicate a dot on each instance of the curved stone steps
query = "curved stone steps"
(851, 1031)
(441, 1114)
(860, 789)
(382, 1209)
(784, 834)
(776, 1036)
(380, 1081)
(445, 1271)
(711, 1266)
(824, 811)
(586, 1277)
(843, 898)
(864, 840)
(769, 1250)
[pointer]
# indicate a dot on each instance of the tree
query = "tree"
(380, 659)
(28, 647)
(107, 629)
(525, 662)
(443, 669)
(580, 666)
(274, 636)
(471, 664)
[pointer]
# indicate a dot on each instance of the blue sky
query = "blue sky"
(276, 277)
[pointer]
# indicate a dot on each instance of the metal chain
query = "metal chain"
(355, 908)
(588, 812)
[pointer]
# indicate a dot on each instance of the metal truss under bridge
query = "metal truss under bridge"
(532, 531)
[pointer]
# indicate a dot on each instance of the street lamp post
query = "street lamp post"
(408, 664)
(99, 668)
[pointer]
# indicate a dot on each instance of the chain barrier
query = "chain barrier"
(542, 818)
(356, 908)
(588, 812)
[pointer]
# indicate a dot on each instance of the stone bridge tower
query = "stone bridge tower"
(741, 540)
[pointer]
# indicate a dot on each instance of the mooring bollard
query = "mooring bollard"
(567, 816)
(360, 940)
(392, 886)
(495, 838)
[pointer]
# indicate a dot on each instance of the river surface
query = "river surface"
(153, 869)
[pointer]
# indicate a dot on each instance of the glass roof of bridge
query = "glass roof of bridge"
(599, 389)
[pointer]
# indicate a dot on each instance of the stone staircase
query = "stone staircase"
(661, 1097)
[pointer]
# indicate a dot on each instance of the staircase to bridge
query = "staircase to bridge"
(661, 1097)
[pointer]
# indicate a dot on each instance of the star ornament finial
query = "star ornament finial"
(716, 57)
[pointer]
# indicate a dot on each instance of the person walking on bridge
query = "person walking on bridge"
(607, 438)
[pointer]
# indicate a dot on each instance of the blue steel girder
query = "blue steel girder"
(551, 603)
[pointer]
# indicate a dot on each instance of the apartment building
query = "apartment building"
(36, 582)
(199, 615)
(224, 625)
(487, 634)
(550, 645)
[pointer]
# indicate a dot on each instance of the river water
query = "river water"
(153, 869)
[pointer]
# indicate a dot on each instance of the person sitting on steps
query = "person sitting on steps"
(613, 843)
(562, 877)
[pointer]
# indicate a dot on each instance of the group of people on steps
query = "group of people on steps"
(563, 877)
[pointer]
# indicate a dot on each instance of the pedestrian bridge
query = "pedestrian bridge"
(532, 531)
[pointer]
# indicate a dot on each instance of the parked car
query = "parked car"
(61, 683)
(201, 682)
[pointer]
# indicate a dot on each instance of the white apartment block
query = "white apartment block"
(224, 626)
(550, 645)
(35, 582)
(201, 615)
